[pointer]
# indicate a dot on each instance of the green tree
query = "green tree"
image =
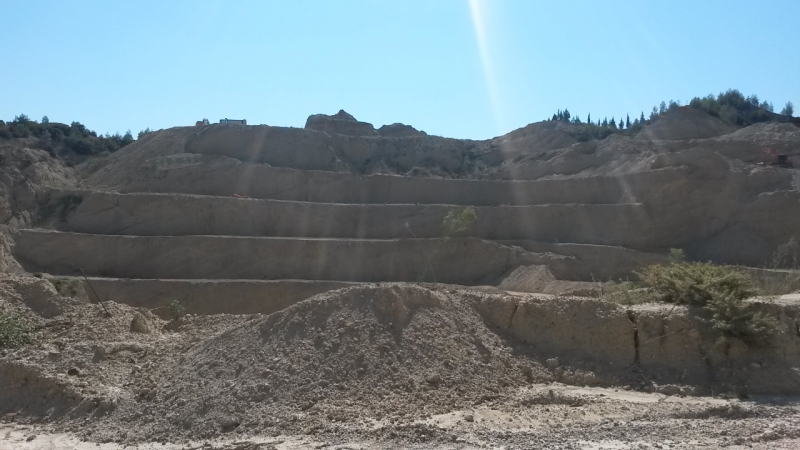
(788, 110)
(458, 221)
(627, 121)
(589, 118)
(127, 138)
(176, 309)
(45, 120)
(662, 108)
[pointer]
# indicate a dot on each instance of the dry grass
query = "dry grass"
(627, 293)
(776, 282)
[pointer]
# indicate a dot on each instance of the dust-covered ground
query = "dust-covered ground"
(375, 366)
(536, 416)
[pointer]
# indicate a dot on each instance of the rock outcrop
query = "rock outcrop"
(340, 123)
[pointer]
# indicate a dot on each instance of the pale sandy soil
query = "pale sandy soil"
(574, 417)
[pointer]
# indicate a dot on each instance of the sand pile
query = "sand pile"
(81, 361)
(374, 351)
(391, 364)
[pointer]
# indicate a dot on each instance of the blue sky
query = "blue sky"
(467, 69)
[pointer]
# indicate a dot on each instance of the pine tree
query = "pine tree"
(627, 121)
(555, 118)
(641, 119)
(612, 123)
(605, 122)
(589, 118)
(566, 115)
(788, 110)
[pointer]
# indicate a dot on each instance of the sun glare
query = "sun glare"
(478, 11)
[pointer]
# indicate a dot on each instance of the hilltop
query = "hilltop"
(383, 287)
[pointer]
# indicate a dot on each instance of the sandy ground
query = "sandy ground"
(573, 417)
(371, 367)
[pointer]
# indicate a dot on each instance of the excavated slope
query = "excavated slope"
(407, 351)
(341, 202)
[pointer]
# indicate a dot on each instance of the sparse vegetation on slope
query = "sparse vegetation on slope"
(689, 283)
(15, 331)
(458, 221)
(721, 292)
(731, 106)
(58, 138)
(734, 107)
(176, 309)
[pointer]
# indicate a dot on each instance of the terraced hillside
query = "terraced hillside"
(234, 218)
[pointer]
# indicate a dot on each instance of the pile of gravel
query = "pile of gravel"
(384, 352)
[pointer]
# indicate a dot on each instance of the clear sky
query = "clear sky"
(459, 68)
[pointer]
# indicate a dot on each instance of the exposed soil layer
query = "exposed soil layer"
(389, 365)
(298, 231)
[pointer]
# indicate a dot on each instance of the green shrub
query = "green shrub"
(735, 317)
(176, 309)
(676, 255)
(776, 282)
(696, 283)
(458, 221)
(67, 287)
(722, 292)
(627, 293)
(15, 331)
